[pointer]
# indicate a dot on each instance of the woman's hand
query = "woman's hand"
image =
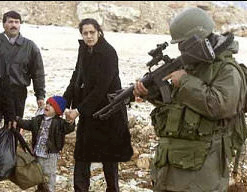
(71, 115)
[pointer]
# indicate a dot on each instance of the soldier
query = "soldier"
(194, 130)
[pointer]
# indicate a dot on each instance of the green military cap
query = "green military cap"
(191, 21)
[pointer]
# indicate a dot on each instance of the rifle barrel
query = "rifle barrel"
(147, 80)
(127, 93)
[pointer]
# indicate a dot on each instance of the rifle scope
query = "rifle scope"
(158, 50)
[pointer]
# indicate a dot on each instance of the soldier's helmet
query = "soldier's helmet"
(191, 21)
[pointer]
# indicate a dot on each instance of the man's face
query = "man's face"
(90, 35)
(12, 27)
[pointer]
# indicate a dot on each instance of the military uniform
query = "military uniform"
(203, 123)
(195, 130)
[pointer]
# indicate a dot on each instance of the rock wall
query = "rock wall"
(124, 16)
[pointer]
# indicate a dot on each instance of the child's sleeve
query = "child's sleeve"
(68, 127)
(24, 124)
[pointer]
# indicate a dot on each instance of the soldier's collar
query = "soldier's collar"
(223, 42)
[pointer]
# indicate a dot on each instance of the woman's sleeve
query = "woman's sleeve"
(68, 94)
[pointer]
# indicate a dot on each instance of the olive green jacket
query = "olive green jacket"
(208, 101)
(214, 90)
(215, 99)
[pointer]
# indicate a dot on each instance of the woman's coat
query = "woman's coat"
(96, 74)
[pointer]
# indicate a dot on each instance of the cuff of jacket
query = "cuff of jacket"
(184, 79)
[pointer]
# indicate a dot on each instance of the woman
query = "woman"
(107, 141)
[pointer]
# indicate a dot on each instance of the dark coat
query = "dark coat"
(22, 62)
(57, 131)
(96, 74)
(7, 105)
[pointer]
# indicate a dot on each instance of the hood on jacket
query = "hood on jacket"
(224, 42)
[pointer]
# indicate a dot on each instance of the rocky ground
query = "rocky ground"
(149, 17)
(59, 50)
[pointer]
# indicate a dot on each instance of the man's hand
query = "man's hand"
(139, 90)
(175, 77)
(40, 103)
(12, 124)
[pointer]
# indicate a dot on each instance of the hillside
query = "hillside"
(125, 16)
(52, 25)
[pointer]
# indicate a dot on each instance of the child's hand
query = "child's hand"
(71, 115)
(67, 116)
(66, 113)
(70, 121)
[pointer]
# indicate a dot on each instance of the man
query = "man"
(195, 128)
(21, 62)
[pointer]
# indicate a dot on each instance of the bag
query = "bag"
(239, 133)
(28, 172)
(7, 153)
(238, 128)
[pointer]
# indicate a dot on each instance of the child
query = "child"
(48, 135)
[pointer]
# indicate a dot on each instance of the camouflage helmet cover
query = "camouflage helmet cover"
(191, 21)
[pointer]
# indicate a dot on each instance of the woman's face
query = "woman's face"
(90, 35)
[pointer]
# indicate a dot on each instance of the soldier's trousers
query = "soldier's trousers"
(212, 177)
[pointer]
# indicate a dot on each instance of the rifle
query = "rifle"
(193, 50)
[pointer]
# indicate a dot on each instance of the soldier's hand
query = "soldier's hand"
(175, 77)
(139, 91)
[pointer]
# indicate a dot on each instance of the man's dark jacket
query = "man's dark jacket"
(22, 62)
(96, 74)
(57, 131)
